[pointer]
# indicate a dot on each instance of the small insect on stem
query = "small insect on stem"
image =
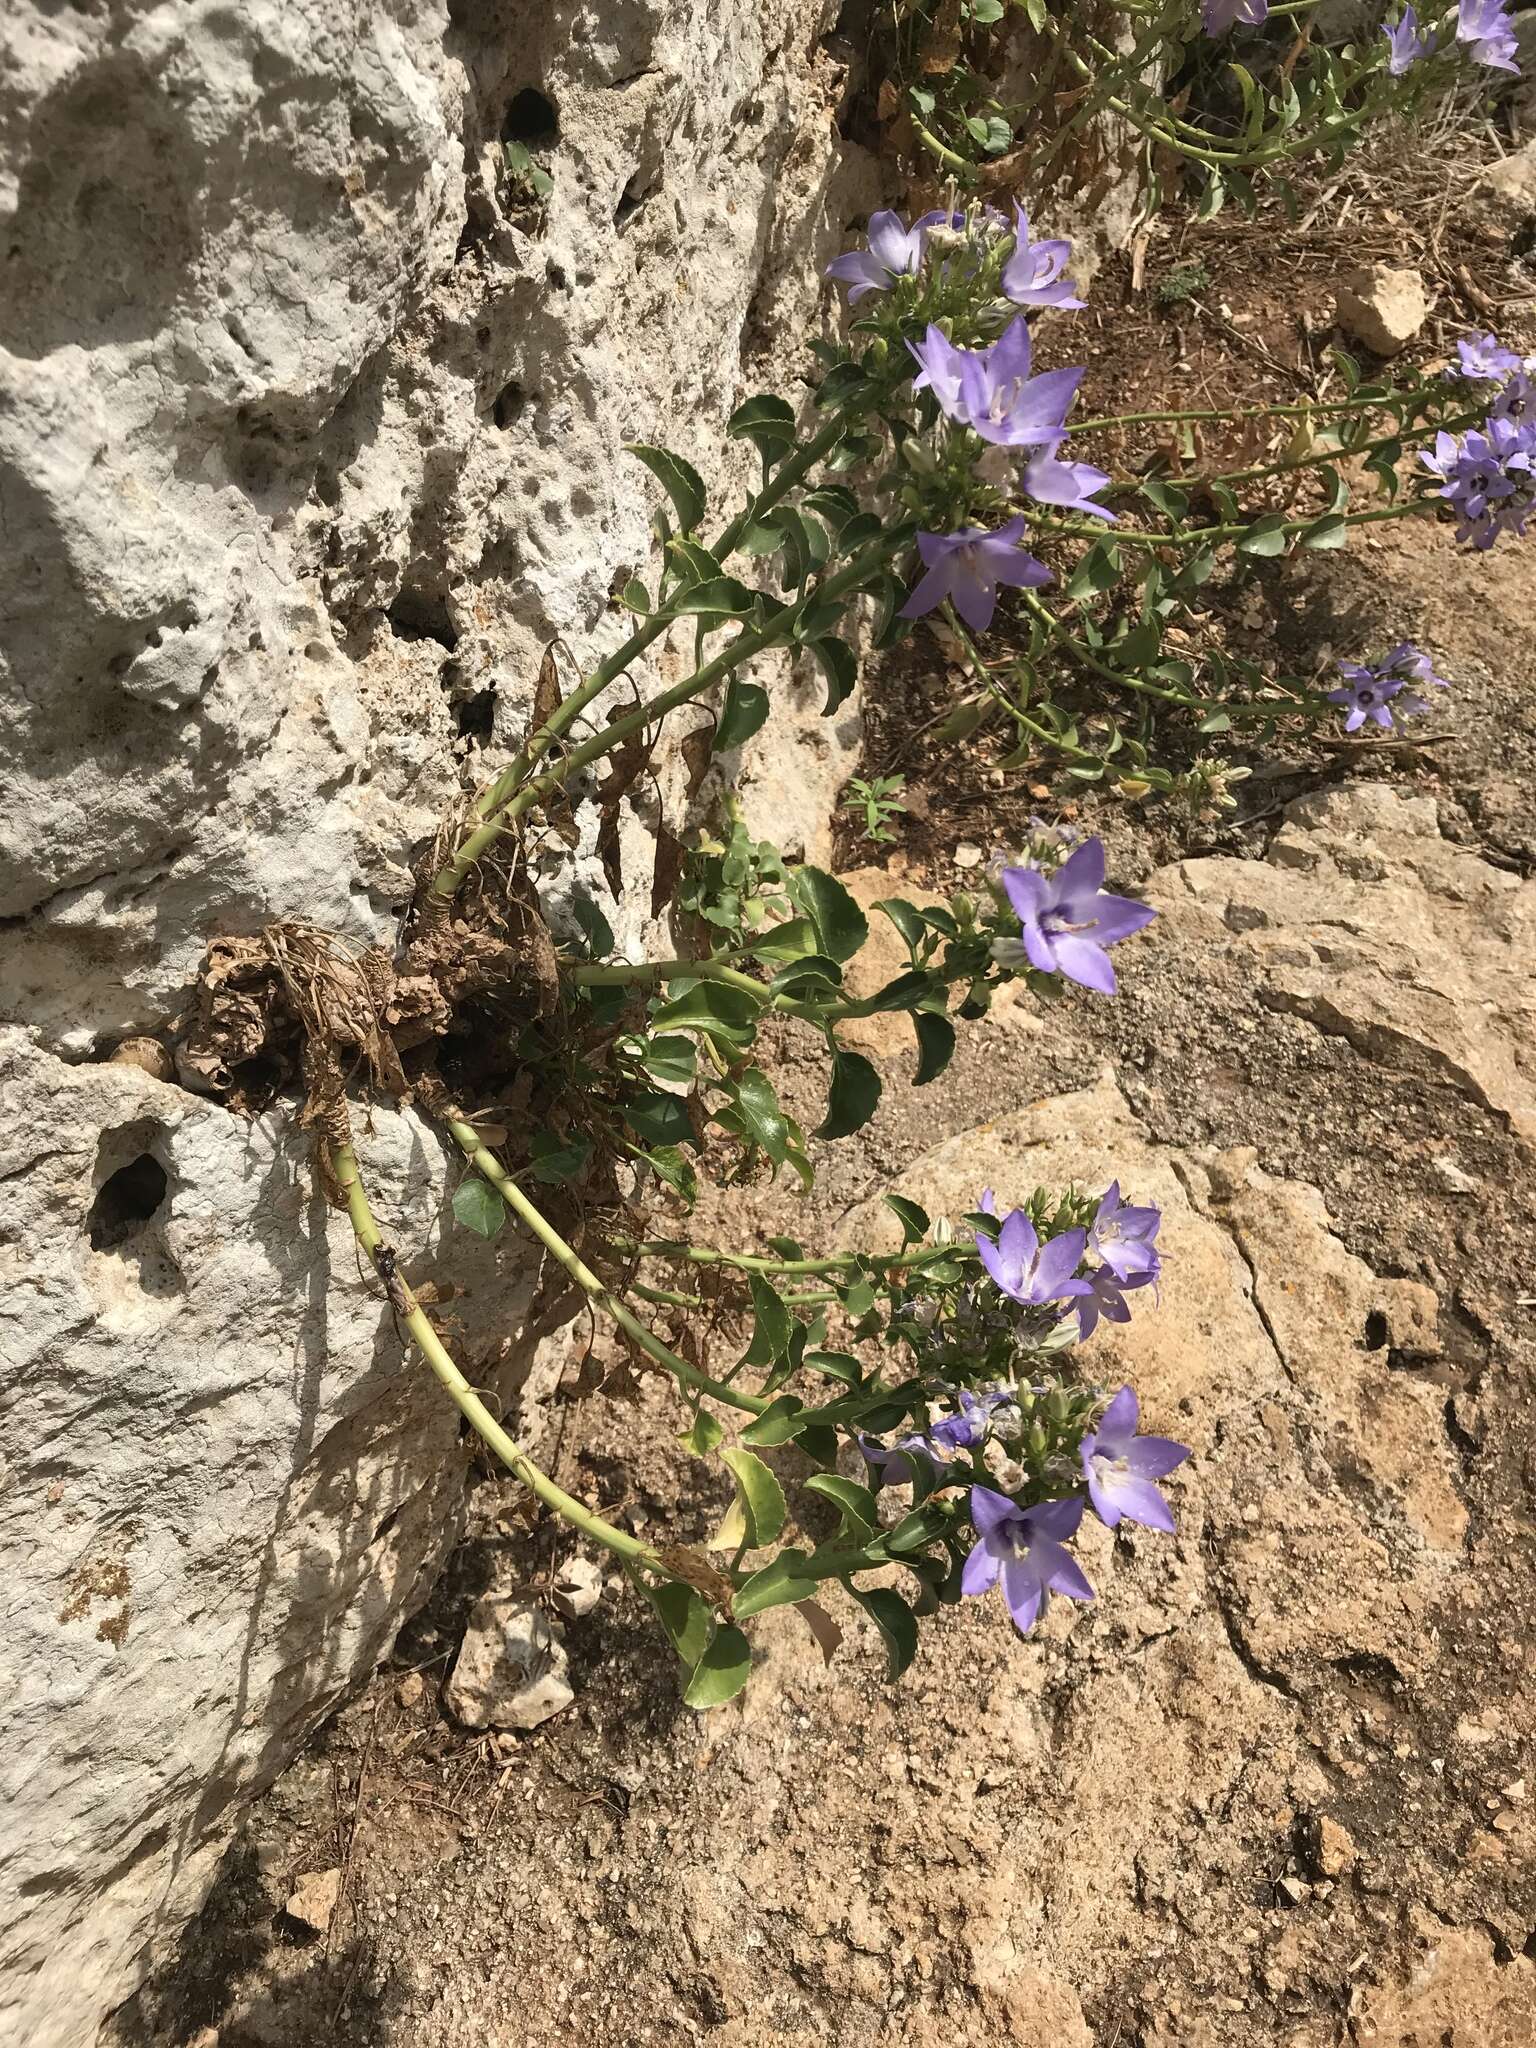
(386, 1263)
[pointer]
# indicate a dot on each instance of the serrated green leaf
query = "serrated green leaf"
(835, 1365)
(691, 562)
(855, 1503)
(773, 1323)
(792, 940)
(1329, 532)
(780, 1582)
(853, 1097)
(839, 922)
(710, 1006)
(1266, 536)
(906, 917)
(679, 479)
(554, 1160)
(703, 1435)
(1098, 571)
(760, 1113)
(896, 1623)
(914, 1220)
(840, 665)
(759, 1495)
(635, 597)
(685, 1617)
(780, 1422)
(658, 1118)
(478, 1207)
(722, 1671)
(670, 1059)
(722, 597)
(766, 421)
(744, 711)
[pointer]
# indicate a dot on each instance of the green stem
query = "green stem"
(985, 678)
(622, 973)
(448, 879)
(1200, 536)
(366, 1230)
(1303, 410)
(490, 1168)
(677, 1249)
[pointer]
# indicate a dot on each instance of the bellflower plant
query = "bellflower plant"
(1068, 919)
(1124, 1233)
(1032, 276)
(1218, 16)
(1120, 1467)
(1380, 691)
(1484, 358)
(1028, 1270)
(1026, 1549)
(1488, 477)
(1405, 44)
(894, 251)
(965, 568)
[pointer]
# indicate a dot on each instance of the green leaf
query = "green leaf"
(703, 1435)
(906, 917)
(840, 923)
(935, 1045)
(841, 667)
(658, 1118)
(759, 1495)
(670, 1059)
(774, 1323)
(1216, 721)
(681, 481)
(478, 1207)
(853, 1098)
(792, 940)
(894, 1619)
(635, 597)
(722, 1671)
(780, 1422)
(767, 422)
(710, 1006)
(760, 1113)
(693, 563)
(836, 1365)
(595, 928)
(914, 1220)
(722, 597)
(778, 1583)
(685, 1617)
(1098, 571)
(555, 1159)
(809, 977)
(743, 712)
(842, 384)
(1332, 531)
(1266, 536)
(855, 1503)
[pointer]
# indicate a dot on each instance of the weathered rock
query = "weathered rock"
(1457, 1997)
(1511, 186)
(310, 441)
(1383, 307)
(313, 1899)
(1364, 920)
(511, 1668)
(578, 1587)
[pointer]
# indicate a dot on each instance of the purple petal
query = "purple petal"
(931, 589)
(992, 1511)
(1012, 565)
(1061, 1571)
(889, 242)
(974, 596)
(861, 273)
(1154, 1457)
(1118, 1423)
(1019, 1241)
(1080, 960)
(1057, 1519)
(1028, 891)
(996, 1264)
(1116, 917)
(1037, 415)
(979, 1572)
(1041, 950)
(1058, 1261)
(1134, 1500)
(1082, 872)
(1023, 1592)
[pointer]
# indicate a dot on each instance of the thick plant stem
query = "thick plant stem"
(1201, 536)
(366, 1230)
(495, 796)
(649, 972)
(753, 1262)
(752, 640)
(490, 1168)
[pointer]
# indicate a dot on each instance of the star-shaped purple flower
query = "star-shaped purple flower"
(1032, 276)
(1068, 919)
(894, 251)
(1123, 1233)
(1025, 1548)
(1217, 16)
(1484, 358)
(966, 567)
(1489, 477)
(1106, 1296)
(1029, 1271)
(1485, 27)
(1516, 400)
(1378, 690)
(1072, 484)
(1405, 45)
(991, 390)
(1120, 1467)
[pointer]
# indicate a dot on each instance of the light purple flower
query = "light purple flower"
(966, 567)
(1123, 1234)
(1484, 358)
(893, 1466)
(1120, 1467)
(1485, 27)
(1106, 1296)
(1025, 1548)
(1068, 919)
(1488, 476)
(1378, 690)
(991, 389)
(1516, 400)
(894, 251)
(1217, 16)
(1072, 484)
(1028, 1270)
(1032, 276)
(1405, 43)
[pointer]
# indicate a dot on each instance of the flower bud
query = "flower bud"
(918, 456)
